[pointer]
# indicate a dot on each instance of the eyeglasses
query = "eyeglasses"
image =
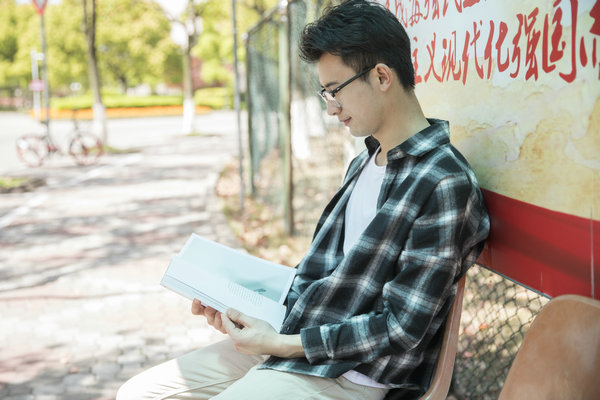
(328, 96)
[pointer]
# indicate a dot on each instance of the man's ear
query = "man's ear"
(385, 76)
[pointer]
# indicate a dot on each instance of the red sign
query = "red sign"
(36, 85)
(40, 5)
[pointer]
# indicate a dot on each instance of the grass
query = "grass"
(19, 184)
(11, 183)
(106, 149)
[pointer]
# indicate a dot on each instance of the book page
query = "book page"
(192, 282)
(245, 294)
(267, 278)
(255, 305)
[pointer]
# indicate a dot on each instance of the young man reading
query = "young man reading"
(371, 295)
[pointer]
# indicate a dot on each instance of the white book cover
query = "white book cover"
(222, 277)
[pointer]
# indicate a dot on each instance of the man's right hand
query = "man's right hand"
(213, 317)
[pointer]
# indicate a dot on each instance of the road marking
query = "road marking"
(9, 218)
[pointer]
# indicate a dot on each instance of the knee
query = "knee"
(132, 389)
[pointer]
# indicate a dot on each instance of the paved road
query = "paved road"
(81, 258)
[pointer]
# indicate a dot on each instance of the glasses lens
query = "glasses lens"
(329, 99)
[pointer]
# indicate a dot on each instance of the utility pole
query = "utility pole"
(285, 116)
(40, 6)
(36, 85)
(236, 101)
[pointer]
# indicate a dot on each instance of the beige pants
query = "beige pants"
(220, 372)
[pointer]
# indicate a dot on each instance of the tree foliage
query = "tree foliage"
(215, 46)
(17, 34)
(133, 42)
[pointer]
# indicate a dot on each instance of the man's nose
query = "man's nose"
(333, 109)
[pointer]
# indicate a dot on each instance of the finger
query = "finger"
(210, 314)
(229, 326)
(197, 307)
(219, 323)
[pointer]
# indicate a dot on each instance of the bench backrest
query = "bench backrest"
(560, 354)
(445, 364)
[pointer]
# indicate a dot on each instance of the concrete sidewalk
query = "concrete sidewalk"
(80, 263)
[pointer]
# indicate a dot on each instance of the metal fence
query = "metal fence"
(284, 112)
(263, 85)
(495, 317)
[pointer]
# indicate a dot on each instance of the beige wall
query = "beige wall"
(529, 127)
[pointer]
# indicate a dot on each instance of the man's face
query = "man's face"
(356, 99)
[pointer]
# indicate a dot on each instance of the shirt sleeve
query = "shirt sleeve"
(426, 272)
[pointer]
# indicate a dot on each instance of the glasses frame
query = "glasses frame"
(328, 96)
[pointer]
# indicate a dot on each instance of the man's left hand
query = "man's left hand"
(254, 336)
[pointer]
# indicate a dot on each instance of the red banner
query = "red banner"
(529, 43)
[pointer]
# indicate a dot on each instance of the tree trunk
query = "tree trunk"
(89, 28)
(188, 93)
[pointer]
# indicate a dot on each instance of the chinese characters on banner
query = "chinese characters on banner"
(530, 42)
(519, 81)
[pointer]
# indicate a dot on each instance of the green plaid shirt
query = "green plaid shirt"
(379, 308)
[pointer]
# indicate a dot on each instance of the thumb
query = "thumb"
(238, 318)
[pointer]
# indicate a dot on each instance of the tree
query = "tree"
(134, 42)
(209, 36)
(89, 30)
(19, 34)
(215, 46)
(190, 22)
(67, 46)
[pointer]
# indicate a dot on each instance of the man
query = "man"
(370, 297)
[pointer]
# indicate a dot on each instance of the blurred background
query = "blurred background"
(198, 137)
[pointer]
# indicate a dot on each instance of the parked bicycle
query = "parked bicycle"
(84, 147)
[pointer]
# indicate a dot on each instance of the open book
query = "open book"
(221, 277)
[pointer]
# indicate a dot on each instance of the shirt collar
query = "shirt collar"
(435, 135)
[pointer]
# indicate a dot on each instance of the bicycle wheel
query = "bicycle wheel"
(85, 148)
(32, 149)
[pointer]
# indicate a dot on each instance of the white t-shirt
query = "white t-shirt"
(360, 210)
(362, 204)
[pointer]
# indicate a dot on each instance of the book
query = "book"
(221, 277)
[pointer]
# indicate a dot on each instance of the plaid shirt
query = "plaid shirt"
(379, 308)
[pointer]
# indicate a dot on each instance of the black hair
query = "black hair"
(363, 33)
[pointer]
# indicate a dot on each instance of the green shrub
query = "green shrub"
(216, 97)
(114, 100)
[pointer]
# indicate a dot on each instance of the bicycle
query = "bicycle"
(84, 147)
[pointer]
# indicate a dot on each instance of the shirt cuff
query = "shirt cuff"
(314, 348)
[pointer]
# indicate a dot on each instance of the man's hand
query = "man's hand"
(213, 317)
(254, 336)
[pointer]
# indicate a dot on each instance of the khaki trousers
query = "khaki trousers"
(220, 372)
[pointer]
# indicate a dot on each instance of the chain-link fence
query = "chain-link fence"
(262, 69)
(496, 311)
(283, 110)
(495, 317)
